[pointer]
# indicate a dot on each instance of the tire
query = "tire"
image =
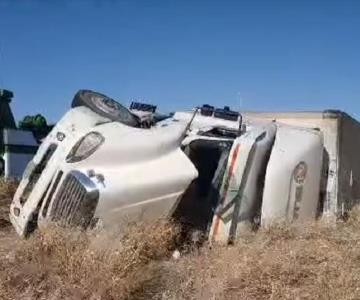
(105, 106)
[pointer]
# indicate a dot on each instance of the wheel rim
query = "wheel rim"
(107, 105)
(110, 107)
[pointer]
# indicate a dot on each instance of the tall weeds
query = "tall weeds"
(7, 191)
(63, 263)
(317, 260)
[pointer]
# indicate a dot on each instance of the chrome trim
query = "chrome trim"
(87, 183)
(49, 193)
(76, 200)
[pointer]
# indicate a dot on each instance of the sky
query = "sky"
(250, 55)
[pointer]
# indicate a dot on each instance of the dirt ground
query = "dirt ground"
(311, 261)
(8, 240)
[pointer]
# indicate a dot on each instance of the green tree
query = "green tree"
(37, 124)
(33, 123)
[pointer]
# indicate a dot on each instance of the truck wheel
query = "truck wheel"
(105, 106)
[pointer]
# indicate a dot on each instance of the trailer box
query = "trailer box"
(340, 187)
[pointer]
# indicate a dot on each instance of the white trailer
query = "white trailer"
(340, 188)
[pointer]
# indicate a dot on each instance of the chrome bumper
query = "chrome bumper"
(69, 200)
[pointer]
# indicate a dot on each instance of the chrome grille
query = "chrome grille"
(76, 200)
(51, 194)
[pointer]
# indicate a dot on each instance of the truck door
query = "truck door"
(242, 186)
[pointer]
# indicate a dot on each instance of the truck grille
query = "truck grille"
(76, 201)
(51, 193)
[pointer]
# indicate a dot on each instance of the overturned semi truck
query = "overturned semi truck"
(212, 169)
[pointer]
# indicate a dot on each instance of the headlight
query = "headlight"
(86, 146)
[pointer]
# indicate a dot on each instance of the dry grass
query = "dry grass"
(314, 261)
(70, 264)
(7, 190)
